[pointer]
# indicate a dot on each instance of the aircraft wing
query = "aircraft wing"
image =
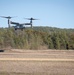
(27, 23)
(16, 23)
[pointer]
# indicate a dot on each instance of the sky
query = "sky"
(52, 13)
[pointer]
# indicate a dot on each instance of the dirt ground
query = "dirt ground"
(59, 62)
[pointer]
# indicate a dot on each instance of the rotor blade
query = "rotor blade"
(8, 17)
(3, 16)
(13, 16)
(31, 19)
(35, 19)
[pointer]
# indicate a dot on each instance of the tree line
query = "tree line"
(37, 38)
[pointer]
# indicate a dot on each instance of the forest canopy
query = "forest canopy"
(37, 38)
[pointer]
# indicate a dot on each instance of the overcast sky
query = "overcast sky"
(52, 13)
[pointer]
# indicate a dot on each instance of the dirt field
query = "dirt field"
(37, 62)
